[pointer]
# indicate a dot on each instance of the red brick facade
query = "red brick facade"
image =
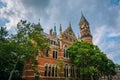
(49, 64)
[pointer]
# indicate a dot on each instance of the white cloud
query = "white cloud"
(115, 30)
(14, 11)
(114, 34)
(99, 34)
(102, 37)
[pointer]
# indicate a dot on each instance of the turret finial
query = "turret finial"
(60, 27)
(81, 13)
(69, 23)
(55, 33)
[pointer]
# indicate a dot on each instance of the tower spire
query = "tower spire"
(84, 29)
(83, 19)
(55, 33)
(60, 28)
(39, 21)
(81, 13)
(60, 31)
(69, 23)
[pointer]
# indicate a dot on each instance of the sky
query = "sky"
(102, 15)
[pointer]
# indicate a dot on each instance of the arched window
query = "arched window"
(72, 71)
(50, 41)
(46, 70)
(66, 71)
(56, 71)
(49, 70)
(47, 54)
(65, 52)
(55, 54)
(54, 42)
(36, 78)
(58, 43)
(53, 71)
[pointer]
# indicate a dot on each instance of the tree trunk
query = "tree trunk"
(11, 73)
(91, 77)
(108, 77)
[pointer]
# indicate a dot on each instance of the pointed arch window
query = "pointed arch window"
(56, 71)
(46, 70)
(55, 54)
(49, 70)
(65, 52)
(47, 53)
(53, 69)
(58, 42)
(66, 70)
(36, 78)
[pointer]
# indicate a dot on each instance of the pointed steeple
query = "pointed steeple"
(39, 22)
(55, 33)
(83, 20)
(69, 24)
(85, 29)
(69, 35)
(60, 29)
(69, 30)
(50, 32)
(69, 27)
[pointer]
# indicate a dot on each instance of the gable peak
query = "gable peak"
(83, 20)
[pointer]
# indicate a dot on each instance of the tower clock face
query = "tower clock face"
(82, 26)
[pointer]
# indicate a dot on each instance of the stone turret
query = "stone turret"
(85, 30)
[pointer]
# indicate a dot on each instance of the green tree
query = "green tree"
(117, 67)
(3, 56)
(30, 41)
(25, 44)
(92, 62)
(3, 34)
(7, 56)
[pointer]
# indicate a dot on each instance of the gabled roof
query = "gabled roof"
(69, 32)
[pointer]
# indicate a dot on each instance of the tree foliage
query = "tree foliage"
(3, 34)
(92, 62)
(117, 67)
(25, 44)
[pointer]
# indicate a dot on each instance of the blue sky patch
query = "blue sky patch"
(116, 2)
(2, 4)
(3, 21)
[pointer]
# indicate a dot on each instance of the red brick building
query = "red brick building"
(49, 64)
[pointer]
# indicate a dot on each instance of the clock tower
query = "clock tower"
(85, 30)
